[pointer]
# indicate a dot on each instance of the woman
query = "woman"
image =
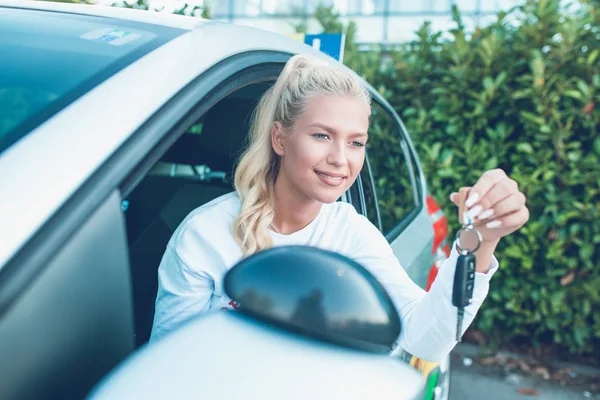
(307, 148)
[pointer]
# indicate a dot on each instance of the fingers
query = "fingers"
(493, 188)
(507, 206)
(512, 220)
(494, 201)
(487, 181)
(517, 219)
(498, 203)
(454, 197)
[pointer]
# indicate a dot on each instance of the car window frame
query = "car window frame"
(415, 171)
(353, 195)
(368, 172)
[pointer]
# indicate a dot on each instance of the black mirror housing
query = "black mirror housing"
(317, 293)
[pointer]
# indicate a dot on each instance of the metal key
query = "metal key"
(462, 290)
(464, 276)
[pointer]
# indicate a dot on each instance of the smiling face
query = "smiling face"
(323, 152)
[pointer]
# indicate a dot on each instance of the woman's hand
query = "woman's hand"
(496, 205)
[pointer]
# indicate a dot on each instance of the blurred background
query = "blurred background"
(511, 84)
(377, 21)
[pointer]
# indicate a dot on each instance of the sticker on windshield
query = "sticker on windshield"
(115, 37)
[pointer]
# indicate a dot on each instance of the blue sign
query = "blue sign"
(331, 44)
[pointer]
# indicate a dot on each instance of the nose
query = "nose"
(337, 155)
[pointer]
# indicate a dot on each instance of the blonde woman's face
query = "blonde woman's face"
(325, 151)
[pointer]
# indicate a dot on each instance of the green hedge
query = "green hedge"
(521, 94)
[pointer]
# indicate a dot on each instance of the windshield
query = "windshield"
(49, 59)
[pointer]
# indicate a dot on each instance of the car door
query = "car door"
(392, 189)
(65, 305)
(65, 292)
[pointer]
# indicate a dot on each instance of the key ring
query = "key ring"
(468, 228)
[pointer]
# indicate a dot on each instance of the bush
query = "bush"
(521, 94)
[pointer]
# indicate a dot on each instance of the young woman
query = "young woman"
(307, 148)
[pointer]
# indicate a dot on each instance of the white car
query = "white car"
(114, 125)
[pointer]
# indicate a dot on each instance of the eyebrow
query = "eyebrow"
(329, 129)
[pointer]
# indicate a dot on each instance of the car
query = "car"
(115, 124)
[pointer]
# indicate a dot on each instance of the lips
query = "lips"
(331, 179)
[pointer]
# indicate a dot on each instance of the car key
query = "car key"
(464, 275)
(462, 290)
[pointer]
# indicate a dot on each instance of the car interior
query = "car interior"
(195, 170)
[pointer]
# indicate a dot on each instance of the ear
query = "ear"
(277, 138)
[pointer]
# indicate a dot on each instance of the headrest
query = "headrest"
(221, 140)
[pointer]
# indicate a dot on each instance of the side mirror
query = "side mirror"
(317, 293)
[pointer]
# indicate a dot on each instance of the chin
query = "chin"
(327, 198)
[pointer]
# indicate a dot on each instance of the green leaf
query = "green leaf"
(445, 173)
(452, 129)
(435, 150)
(592, 57)
(488, 83)
(583, 87)
(492, 163)
(500, 78)
(579, 334)
(586, 307)
(557, 299)
(574, 94)
(409, 112)
(548, 174)
(525, 148)
(521, 94)
(574, 156)
(532, 117)
(596, 80)
(586, 252)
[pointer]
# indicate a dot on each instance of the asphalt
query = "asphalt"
(471, 380)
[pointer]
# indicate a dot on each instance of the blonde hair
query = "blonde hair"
(302, 77)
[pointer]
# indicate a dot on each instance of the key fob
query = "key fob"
(464, 280)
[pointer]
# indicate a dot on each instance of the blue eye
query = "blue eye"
(358, 144)
(321, 136)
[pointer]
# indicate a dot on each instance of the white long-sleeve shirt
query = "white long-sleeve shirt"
(203, 249)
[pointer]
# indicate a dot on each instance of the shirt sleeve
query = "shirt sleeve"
(428, 319)
(186, 281)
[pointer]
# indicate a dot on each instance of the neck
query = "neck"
(293, 210)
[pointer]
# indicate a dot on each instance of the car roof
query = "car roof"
(130, 14)
(46, 167)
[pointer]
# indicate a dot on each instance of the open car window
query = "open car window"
(391, 168)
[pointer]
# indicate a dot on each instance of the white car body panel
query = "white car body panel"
(227, 356)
